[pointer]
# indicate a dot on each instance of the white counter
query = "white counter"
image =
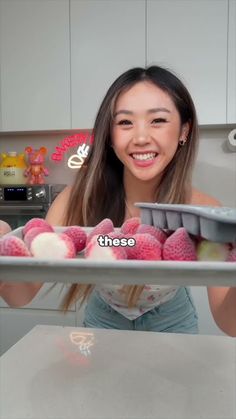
(59, 372)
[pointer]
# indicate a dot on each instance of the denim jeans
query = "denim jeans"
(177, 315)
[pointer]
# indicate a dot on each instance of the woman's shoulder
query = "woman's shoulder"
(200, 198)
(57, 210)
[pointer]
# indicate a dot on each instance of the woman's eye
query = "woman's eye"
(124, 122)
(159, 120)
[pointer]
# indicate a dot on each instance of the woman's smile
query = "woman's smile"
(144, 159)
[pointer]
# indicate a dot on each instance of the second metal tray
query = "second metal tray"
(216, 224)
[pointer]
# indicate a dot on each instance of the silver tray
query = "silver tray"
(217, 224)
(138, 272)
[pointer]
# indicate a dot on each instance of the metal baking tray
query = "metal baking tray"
(138, 272)
(217, 224)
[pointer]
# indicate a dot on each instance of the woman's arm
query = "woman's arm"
(57, 210)
(222, 300)
(18, 294)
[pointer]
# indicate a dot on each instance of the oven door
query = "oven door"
(18, 215)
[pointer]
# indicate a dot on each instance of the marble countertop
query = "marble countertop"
(59, 372)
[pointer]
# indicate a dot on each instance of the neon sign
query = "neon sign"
(83, 139)
(77, 160)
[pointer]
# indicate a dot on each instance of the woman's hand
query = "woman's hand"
(4, 229)
(16, 294)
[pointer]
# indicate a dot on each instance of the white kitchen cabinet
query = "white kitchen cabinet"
(107, 38)
(35, 65)
(15, 323)
(231, 109)
(43, 309)
(190, 38)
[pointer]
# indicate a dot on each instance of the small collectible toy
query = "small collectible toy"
(36, 171)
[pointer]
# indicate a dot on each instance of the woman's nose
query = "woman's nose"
(141, 135)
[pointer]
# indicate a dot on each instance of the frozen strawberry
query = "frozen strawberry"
(232, 255)
(207, 250)
(104, 227)
(78, 236)
(116, 235)
(159, 234)
(130, 226)
(146, 248)
(36, 222)
(96, 252)
(32, 233)
(13, 246)
(53, 246)
(179, 246)
(4, 228)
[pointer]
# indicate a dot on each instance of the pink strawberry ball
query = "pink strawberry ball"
(145, 248)
(53, 246)
(78, 236)
(130, 226)
(13, 246)
(96, 252)
(104, 227)
(159, 234)
(232, 255)
(36, 222)
(32, 233)
(179, 246)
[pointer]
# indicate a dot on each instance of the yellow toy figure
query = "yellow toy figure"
(36, 171)
(12, 168)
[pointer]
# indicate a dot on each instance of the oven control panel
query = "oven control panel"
(28, 194)
(22, 193)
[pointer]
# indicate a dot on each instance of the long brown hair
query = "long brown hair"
(98, 191)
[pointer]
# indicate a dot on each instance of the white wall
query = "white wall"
(215, 174)
(215, 170)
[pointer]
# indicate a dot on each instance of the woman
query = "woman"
(145, 145)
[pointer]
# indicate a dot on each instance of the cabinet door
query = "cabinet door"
(190, 38)
(107, 38)
(15, 323)
(231, 114)
(35, 71)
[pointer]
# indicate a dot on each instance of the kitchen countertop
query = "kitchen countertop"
(59, 372)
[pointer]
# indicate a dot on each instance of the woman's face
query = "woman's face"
(146, 130)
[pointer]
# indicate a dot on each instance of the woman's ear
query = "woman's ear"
(185, 131)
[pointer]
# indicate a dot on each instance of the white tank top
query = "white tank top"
(151, 297)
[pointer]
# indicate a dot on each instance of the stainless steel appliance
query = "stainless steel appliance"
(20, 203)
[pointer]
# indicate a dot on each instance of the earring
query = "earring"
(182, 142)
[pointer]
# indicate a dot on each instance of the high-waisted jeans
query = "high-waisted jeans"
(177, 315)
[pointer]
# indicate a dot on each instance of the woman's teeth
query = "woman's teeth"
(148, 156)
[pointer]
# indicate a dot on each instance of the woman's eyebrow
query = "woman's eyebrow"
(153, 110)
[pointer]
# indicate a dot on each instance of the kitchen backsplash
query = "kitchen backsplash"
(215, 170)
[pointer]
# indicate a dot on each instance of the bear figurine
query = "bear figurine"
(36, 171)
